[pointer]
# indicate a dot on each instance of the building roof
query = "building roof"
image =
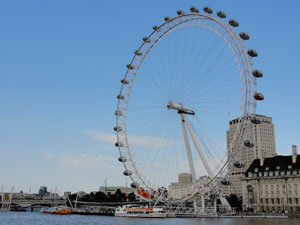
(273, 162)
(265, 119)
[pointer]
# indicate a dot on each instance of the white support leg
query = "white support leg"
(200, 152)
(188, 148)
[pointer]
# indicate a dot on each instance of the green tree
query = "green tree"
(131, 197)
(235, 201)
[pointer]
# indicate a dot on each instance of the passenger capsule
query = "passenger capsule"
(120, 97)
(248, 143)
(238, 164)
(118, 113)
(226, 181)
(118, 129)
(252, 53)
(259, 96)
(257, 73)
(180, 12)
(134, 185)
(194, 9)
(244, 36)
(233, 23)
(122, 159)
(167, 18)
(146, 40)
(208, 10)
(255, 120)
(138, 52)
(130, 66)
(156, 28)
(221, 14)
(127, 173)
(119, 144)
(124, 81)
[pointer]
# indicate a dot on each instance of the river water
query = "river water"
(37, 218)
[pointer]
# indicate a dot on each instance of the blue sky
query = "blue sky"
(60, 68)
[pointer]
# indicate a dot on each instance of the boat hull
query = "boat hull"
(142, 215)
(57, 210)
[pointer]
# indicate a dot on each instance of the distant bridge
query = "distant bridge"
(110, 204)
(39, 202)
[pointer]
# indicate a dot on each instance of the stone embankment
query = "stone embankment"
(95, 210)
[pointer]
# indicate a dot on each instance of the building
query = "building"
(184, 181)
(261, 136)
(43, 191)
(184, 178)
(113, 189)
(184, 184)
(273, 184)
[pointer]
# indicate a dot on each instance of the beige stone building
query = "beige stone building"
(261, 135)
(184, 181)
(184, 186)
(273, 184)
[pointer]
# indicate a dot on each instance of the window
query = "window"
(256, 170)
(289, 167)
(271, 173)
(267, 168)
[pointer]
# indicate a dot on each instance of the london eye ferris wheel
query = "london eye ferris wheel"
(188, 78)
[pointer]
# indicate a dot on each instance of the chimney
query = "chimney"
(261, 160)
(261, 157)
(294, 154)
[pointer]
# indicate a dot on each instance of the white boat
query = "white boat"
(140, 212)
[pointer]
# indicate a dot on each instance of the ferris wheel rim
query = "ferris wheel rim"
(198, 16)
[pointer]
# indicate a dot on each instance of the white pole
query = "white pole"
(11, 196)
(188, 148)
(69, 200)
(2, 189)
(76, 201)
(200, 152)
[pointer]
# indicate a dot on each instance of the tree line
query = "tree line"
(100, 196)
